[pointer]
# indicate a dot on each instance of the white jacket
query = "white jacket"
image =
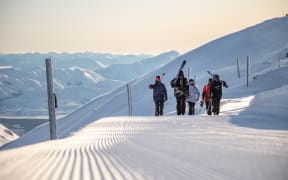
(194, 94)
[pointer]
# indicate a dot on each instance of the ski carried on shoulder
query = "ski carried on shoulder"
(209, 72)
(223, 82)
(182, 66)
(173, 81)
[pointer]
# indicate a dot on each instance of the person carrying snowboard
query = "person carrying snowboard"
(159, 95)
(206, 96)
(216, 93)
(181, 92)
(193, 96)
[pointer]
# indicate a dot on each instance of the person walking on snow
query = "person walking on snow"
(193, 96)
(216, 94)
(206, 96)
(181, 92)
(159, 95)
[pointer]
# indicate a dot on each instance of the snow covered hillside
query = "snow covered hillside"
(219, 56)
(23, 79)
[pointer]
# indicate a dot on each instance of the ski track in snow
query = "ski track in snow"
(121, 148)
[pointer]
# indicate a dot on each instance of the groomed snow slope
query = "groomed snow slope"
(154, 148)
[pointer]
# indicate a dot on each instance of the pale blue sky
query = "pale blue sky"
(125, 26)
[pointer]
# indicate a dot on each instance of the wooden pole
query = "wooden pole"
(129, 100)
(51, 100)
(279, 64)
(238, 68)
(248, 69)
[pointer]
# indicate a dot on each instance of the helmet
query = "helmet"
(181, 73)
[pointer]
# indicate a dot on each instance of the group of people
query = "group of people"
(185, 91)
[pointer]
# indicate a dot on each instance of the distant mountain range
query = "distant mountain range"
(78, 78)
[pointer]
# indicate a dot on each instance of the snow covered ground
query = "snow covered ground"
(154, 148)
(248, 140)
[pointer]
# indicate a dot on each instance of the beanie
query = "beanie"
(158, 78)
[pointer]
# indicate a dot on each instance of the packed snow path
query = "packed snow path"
(198, 147)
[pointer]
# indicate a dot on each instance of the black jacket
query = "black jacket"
(159, 91)
(216, 89)
(181, 87)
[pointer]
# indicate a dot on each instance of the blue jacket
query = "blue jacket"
(159, 91)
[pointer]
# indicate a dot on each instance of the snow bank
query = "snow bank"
(6, 135)
(268, 110)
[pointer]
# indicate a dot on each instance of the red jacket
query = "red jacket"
(206, 93)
